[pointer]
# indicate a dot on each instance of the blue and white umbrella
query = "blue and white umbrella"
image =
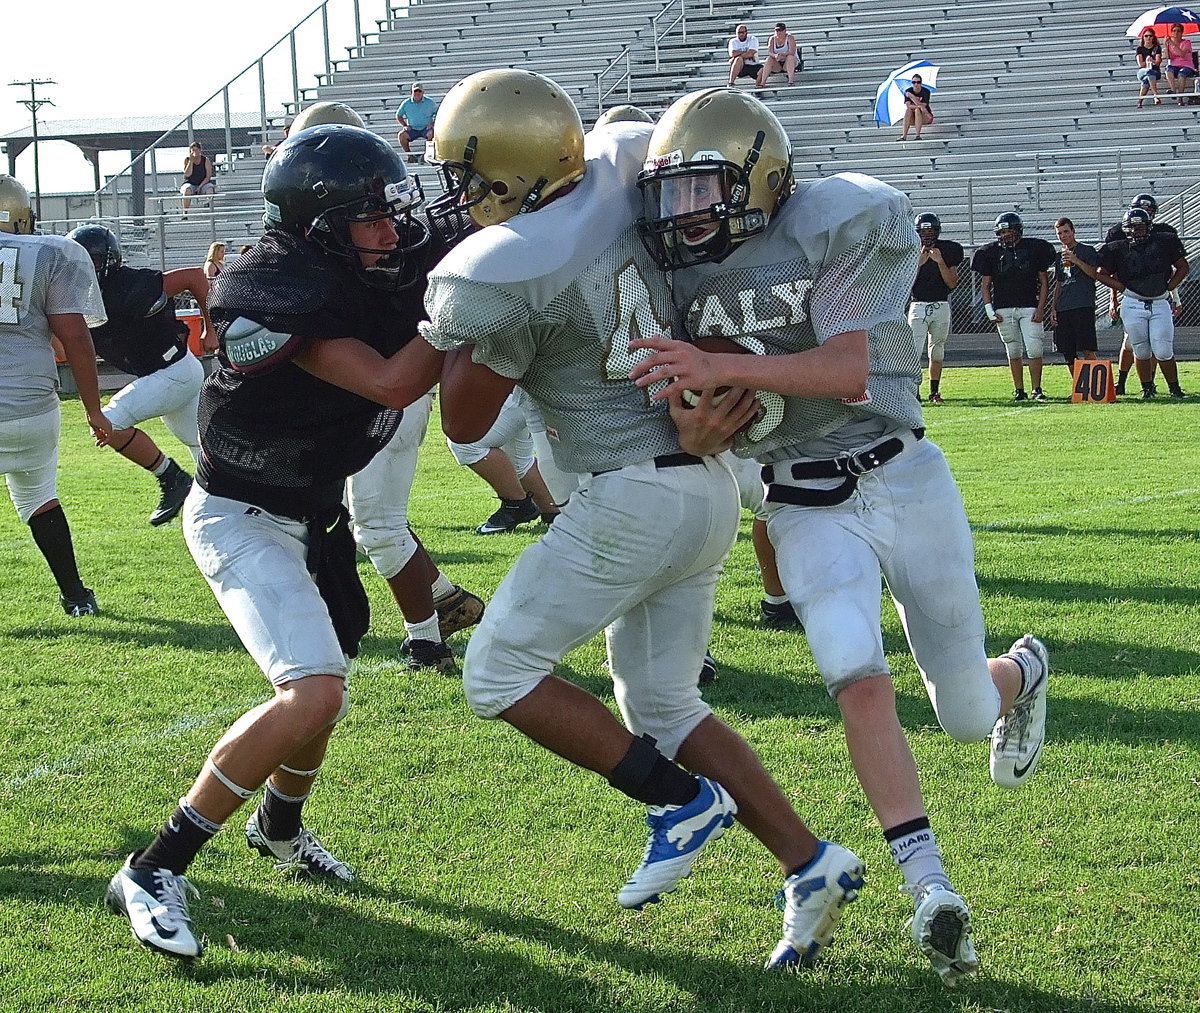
(889, 99)
(1160, 19)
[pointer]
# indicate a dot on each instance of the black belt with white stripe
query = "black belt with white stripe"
(852, 466)
(665, 461)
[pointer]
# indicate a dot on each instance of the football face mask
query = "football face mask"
(450, 214)
(400, 266)
(695, 212)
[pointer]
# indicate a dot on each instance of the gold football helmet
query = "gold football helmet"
(325, 112)
(622, 114)
(16, 211)
(718, 167)
(506, 141)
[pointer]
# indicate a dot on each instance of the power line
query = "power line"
(33, 104)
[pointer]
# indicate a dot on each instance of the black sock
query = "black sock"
(280, 815)
(52, 535)
(177, 843)
(1122, 375)
(646, 775)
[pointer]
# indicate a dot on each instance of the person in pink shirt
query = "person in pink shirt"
(1180, 66)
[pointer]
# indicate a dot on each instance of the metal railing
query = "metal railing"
(625, 79)
(251, 85)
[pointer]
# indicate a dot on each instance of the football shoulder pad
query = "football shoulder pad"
(252, 348)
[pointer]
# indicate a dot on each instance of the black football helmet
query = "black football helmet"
(323, 178)
(929, 227)
(102, 247)
(1147, 203)
(1009, 228)
(1136, 226)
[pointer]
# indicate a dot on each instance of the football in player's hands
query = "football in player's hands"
(716, 345)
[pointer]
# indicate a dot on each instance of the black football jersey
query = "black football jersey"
(284, 439)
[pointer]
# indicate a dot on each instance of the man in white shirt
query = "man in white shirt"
(743, 55)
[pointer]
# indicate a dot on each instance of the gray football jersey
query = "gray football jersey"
(553, 298)
(840, 255)
(39, 276)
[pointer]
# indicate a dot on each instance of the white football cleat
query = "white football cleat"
(678, 833)
(1018, 736)
(304, 851)
(941, 927)
(812, 901)
(155, 902)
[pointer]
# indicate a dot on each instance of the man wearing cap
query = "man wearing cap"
(783, 56)
(415, 117)
(743, 56)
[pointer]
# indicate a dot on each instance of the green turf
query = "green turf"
(488, 868)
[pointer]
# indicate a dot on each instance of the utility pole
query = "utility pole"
(33, 104)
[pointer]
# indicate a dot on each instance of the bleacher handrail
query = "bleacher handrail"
(290, 37)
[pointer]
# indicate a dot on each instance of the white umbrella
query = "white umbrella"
(889, 98)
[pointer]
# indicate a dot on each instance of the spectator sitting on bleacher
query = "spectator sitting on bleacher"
(783, 56)
(1180, 65)
(1149, 58)
(415, 116)
(197, 175)
(916, 108)
(743, 55)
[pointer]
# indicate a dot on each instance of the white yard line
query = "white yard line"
(95, 754)
(1058, 515)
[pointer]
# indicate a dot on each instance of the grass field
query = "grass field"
(488, 868)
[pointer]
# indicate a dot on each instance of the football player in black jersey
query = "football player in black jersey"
(1146, 266)
(1015, 284)
(929, 311)
(319, 352)
(1147, 203)
(143, 337)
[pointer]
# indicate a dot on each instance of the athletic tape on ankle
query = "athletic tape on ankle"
(203, 822)
(294, 799)
(299, 773)
(237, 789)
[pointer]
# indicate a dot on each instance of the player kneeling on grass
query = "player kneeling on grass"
(815, 282)
(319, 352)
(551, 300)
(143, 337)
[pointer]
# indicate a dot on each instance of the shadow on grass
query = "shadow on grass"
(133, 631)
(1076, 591)
(317, 939)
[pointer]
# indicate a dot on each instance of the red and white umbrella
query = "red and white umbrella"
(1160, 19)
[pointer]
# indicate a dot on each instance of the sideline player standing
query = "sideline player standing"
(1015, 285)
(929, 311)
(1146, 266)
(551, 298)
(815, 282)
(1147, 203)
(143, 337)
(1073, 311)
(48, 289)
(318, 351)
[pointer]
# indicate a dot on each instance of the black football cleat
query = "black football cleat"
(175, 484)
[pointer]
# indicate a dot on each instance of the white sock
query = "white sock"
(442, 587)
(163, 465)
(915, 852)
(425, 630)
(775, 599)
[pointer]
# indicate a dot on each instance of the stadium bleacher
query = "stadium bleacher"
(1035, 107)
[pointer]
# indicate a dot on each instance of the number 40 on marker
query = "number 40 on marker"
(1093, 382)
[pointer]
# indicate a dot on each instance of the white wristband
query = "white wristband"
(990, 310)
